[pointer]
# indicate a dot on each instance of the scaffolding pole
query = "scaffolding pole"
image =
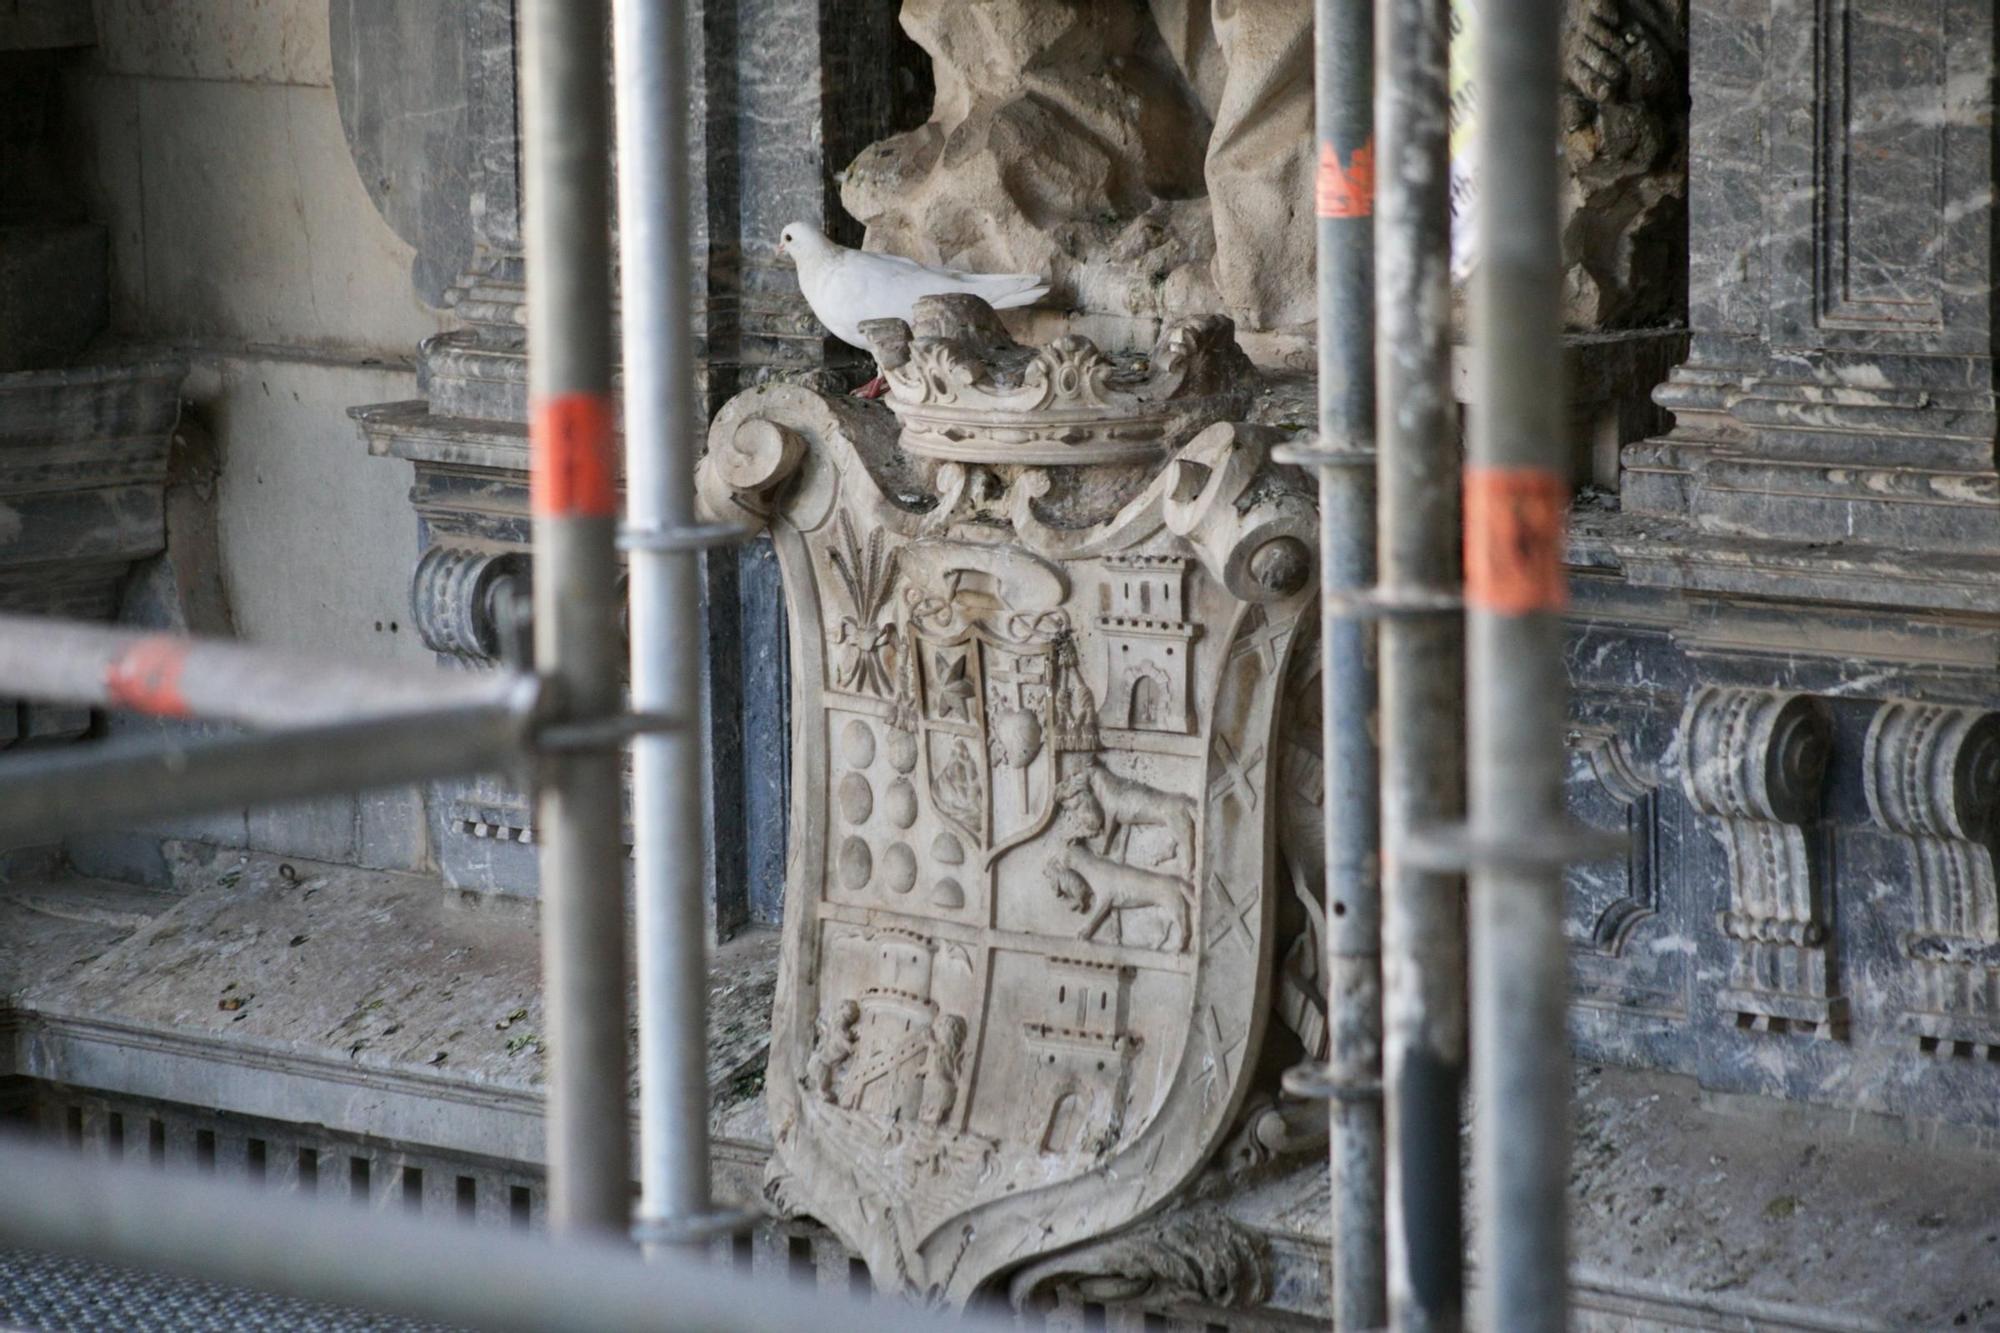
(1422, 665)
(1344, 202)
(565, 148)
(171, 675)
(662, 538)
(1516, 491)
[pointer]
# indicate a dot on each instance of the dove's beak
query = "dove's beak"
(781, 249)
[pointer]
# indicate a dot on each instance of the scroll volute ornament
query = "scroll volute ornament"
(1027, 937)
(1755, 764)
(1931, 773)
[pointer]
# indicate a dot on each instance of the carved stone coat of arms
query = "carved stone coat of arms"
(1040, 621)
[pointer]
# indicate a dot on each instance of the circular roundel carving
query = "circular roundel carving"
(900, 803)
(856, 864)
(1976, 782)
(899, 868)
(902, 751)
(856, 798)
(947, 893)
(947, 850)
(1799, 740)
(1282, 564)
(857, 744)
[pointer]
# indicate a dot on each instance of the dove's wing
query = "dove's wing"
(857, 285)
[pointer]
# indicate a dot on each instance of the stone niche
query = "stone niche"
(85, 441)
(1786, 625)
(1157, 160)
(428, 99)
(1049, 613)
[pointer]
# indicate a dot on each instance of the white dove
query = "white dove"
(845, 286)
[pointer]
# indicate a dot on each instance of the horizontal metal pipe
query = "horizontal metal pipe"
(167, 675)
(462, 1276)
(49, 794)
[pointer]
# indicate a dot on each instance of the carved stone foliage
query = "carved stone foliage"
(1755, 762)
(1198, 1256)
(1029, 926)
(1932, 775)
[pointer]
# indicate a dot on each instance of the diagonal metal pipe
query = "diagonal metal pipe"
(565, 149)
(46, 795)
(171, 675)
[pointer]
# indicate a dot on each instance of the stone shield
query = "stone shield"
(1027, 933)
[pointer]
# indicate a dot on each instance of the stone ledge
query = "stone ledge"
(1764, 1217)
(350, 983)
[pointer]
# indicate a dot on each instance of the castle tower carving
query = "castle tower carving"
(1082, 1049)
(1147, 641)
(894, 1035)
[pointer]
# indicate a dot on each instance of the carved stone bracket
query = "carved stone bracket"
(1632, 785)
(459, 598)
(1755, 764)
(1932, 775)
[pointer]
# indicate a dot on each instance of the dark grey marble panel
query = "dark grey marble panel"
(403, 78)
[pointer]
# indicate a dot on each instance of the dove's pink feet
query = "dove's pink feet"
(873, 389)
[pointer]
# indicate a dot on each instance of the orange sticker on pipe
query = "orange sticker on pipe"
(1346, 191)
(1514, 523)
(571, 452)
(146, 677)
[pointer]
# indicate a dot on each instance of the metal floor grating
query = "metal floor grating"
(49, 1293)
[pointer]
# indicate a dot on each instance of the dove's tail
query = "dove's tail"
(1004, 291)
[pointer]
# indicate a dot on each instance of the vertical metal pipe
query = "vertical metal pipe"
(1422, 664)
(1344, 202)
(566, 154)
(653, 93)
(1516, 489)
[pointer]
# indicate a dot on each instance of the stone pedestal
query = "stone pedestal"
(1810, 560)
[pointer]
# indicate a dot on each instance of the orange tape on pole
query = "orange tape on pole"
(1346, 191)
(1514, 522)
(146, 677)
(572, 452)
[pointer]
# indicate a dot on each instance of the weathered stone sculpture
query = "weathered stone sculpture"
(1165, 168)
(1040, 637)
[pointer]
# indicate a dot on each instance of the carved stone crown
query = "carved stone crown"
(967, 392)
